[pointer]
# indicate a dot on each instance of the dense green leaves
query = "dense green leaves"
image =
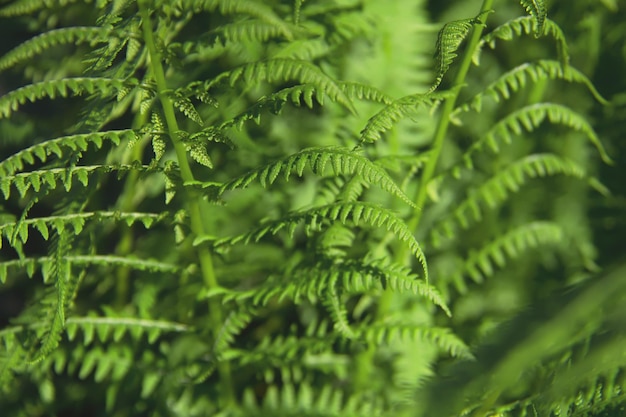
(161, 255)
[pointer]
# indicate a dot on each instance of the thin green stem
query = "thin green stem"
(364, 361)
(444, 120)
(193, 203)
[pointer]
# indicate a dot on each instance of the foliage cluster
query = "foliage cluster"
(289, 208)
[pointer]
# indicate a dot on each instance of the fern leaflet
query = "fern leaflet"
(538, 10)
(349, 212)
(482, 263)
(526, 25)
(76, 143)
(386, 118)
(517, 78)
(340, 160)
(35, 46)
(496, 190)
(283, 69)
(449, 39)
(104, 87)
(530, 118)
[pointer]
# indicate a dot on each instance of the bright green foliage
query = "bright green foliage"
(268, 208)
(10, 102)
(538, 10)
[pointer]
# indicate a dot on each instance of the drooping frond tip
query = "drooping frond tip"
(537, 9)
(449, 39)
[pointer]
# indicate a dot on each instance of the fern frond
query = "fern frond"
(65, 284)
(449, 39)
(24, 7)
(406, 106)
(305, 49)
(11, 357)
(517, 78)
(338, 313)
(298, 95)
(76, 221)
(592, 385)
(38, 44)
(604, 395)
(286, 352)
(75, 143)
(29, 265)
(365, 92)
(111, 362)
(115, 328)
(348, 26)
(497, 189)
(350, 277)
(538, 11)
(284, 69)
(390, 333)
(226, 7)
(51, 177)
(482, 263)
(274, 103)
(248, 31)
(65, 87)
(345, 213)
(530, 118)
(526, 25)
(340, 160)
(306, 401)
(234, 323)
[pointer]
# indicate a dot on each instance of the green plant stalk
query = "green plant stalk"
(365, 360)
(193, 205)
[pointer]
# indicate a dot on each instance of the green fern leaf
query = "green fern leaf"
(235, 323)
(526, 25)
(11, 357)
(51, 177)
(528, 119)
(338, 313)
(497, 189)
(591, 385)
(304, 49)
(249, 31)
(111, 327)
(348, 26)
(449, 39)
(406, 106)
(104, 87)
(389, 333)
(340, 160)
(76, 221)
(65, 283)
(512, 81)
(482, 264)
(307, 401)
(25, 7)
(226, 7)
(283, 69)
(71, 36)
(298, 95)
(350, 277)
(365, 92)
(274, 103)
(30, 264)
(538, 10)
(357, 212)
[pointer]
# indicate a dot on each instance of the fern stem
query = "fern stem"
(193, 205)
(444, 120)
